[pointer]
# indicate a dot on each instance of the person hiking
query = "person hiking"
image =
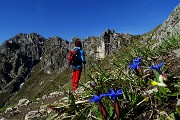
(75, 60)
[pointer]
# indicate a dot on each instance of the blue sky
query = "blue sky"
(81, 18)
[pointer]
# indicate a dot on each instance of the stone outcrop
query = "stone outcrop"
(18, 55)
(106, 44)
(170, 27)
(21, 53)
(54, 54)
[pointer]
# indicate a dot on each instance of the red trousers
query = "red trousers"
(76, 74)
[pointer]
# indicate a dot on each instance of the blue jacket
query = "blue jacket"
(81, 56)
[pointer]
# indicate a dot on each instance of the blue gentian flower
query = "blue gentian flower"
(97, 98)
(157, 67)
(102, 109)
(138, 59)
(135, 63)
(114, 94)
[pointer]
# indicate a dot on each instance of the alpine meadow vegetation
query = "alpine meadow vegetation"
(135, 83)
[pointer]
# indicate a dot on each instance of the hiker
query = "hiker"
(76, 64)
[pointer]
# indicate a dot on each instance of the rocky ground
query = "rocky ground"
(41, 108)
(28, 109)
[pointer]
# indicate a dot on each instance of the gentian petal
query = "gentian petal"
(112, 91)
(133, 66)
(135, 63)
(161, 64)
(94, 99)
(102, 95)
(138, 67)
(157, 67)
(97, 98)
(119, 92)
(113, 94)
(138, 60)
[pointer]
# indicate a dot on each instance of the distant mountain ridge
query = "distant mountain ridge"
(170, 27)
(20, 54)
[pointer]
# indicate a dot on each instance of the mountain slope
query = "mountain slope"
(49, 71)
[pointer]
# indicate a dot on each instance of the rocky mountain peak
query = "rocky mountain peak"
(18, 56)
(170, 27)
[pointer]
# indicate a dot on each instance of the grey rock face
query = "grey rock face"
(18, 55)
(21, 53)
(54, 54)
(170, 27)
(107, 43)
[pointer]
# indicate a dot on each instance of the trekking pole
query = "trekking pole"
(84, 73)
